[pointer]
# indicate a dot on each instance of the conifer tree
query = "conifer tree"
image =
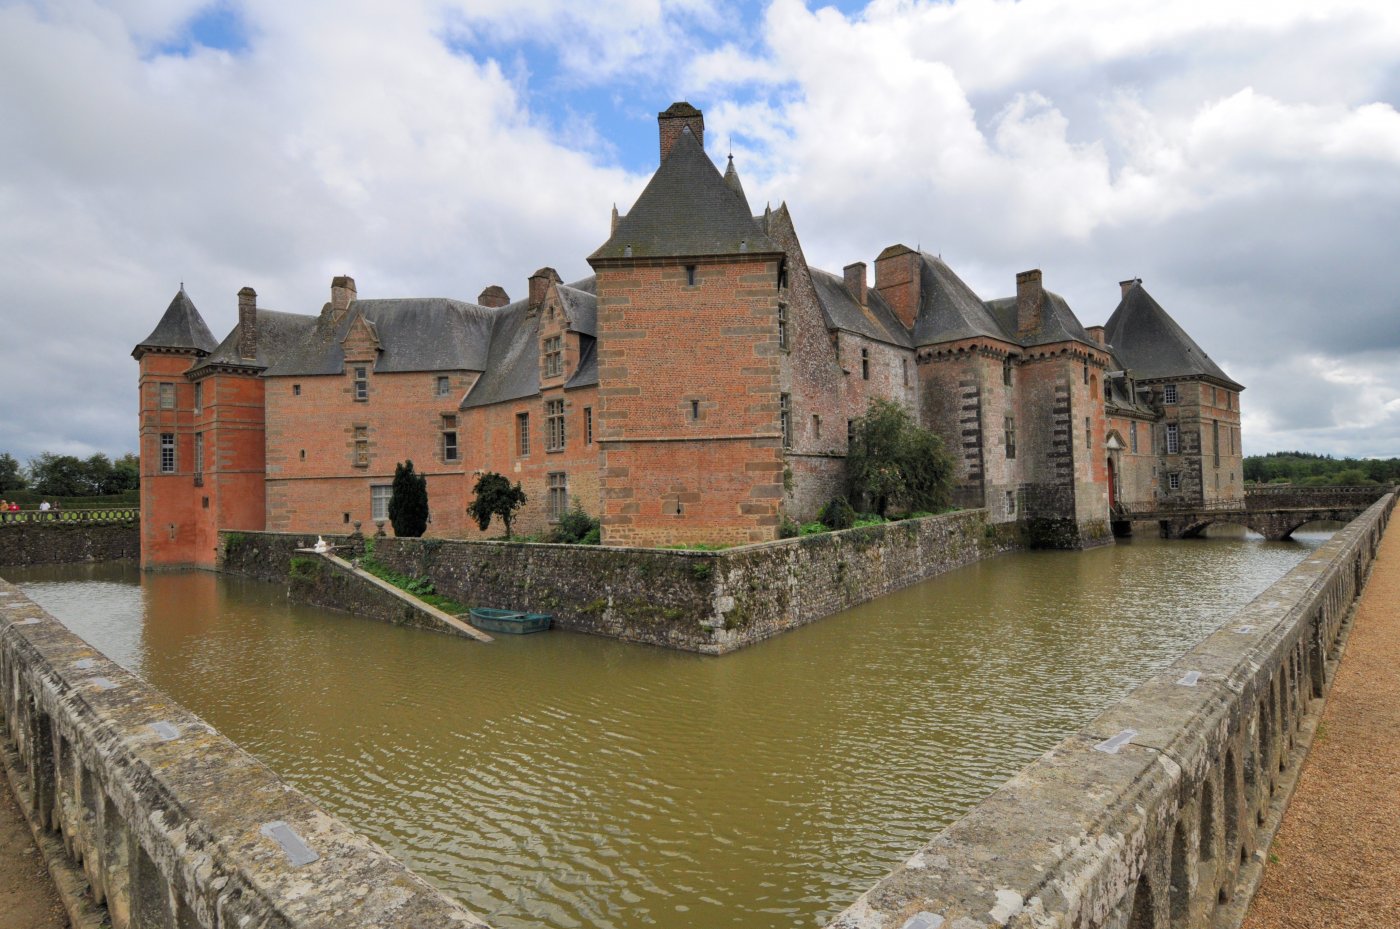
(408, 502)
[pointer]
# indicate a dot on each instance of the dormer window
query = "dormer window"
(554, 356)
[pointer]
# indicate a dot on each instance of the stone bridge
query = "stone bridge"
(1275, 511)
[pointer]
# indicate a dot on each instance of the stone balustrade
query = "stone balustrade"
(1154, 815)
(102, 515)
(173, 825)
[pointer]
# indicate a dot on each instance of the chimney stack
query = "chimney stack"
(615, 219)
(248, 324)
(539, 286)
(342, 294)
(493, 296)
(855, 281)
(1128, 285)
(899, 279)
(1030, 299)
(1095, 333)
(674, 119)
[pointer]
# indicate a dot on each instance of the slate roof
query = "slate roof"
(514, 349)
(1151, 344)
(181, 327)
(949, 309)
(415, 334)
(581, 307)
(1057, 322)
(875, 320)
(687, 209)
(278, 335)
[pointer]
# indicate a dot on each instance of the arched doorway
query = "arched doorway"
(1112, 484)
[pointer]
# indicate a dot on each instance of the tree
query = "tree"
(408, 502)
(495, 496)
(892, 461)
(11, 477)
(58, 476)
(126, 473)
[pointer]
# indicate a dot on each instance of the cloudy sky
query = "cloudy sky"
(1243, 158)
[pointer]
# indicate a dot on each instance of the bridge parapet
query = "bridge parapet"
(1301, 496)
(1151, 815)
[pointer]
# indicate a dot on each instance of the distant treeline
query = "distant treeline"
(1307, 468)
(93, 480)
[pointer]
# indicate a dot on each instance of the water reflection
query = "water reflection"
(563, 780)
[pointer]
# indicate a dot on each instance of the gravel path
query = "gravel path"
(1335, 863)
(27, 897)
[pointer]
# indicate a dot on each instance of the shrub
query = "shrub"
(838, 514)
(893, 461)
(575, 526)
(495, 497)
(408, 502)
(787, 528)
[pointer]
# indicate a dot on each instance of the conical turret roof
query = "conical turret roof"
(687, 209)
(1151, 344)
(180, 329)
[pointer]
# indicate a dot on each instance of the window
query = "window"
(198, 453)
(588, 425)
(450, 451)
(444, 385)
(198, 396)
(379, 495)
(296, 390)
(1088, 434)
(1174, 480)
(167, 396)
(553, 425)
(904, 371)
(361, 383)
(558, 486)
(1009, 424)
(1168, 393)
(865, 364)
(1173, 439)
(816, 426)
(1006, 371)
(1133, 439)
(361, 447)
(1230, 436)
(690, 275)
(167, 453)
(522, 434)
(782, 273)
(850, 432)
(1011, 503)
(785, 418)
(554, 356)
(1214, 397)
(1215, 439)
(1086, 374)
(695, 409)
(782, 325)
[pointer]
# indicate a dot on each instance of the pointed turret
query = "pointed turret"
(181, 330)
(1151, 344)
(731, 178)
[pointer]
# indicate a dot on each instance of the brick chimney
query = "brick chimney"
(1128, 285)
(493, 296)
(1095, 333)
(248, 323)
(899, 278)
(1030, 300)
(342, 294)
(855, 281)
(676, 117)
(539, 286)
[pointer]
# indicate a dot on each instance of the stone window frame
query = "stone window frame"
(199, 457)
(522, 435)
(556, 495)
(904, 372)
(691, 278)
(167, 453)
(451, 451)
(1170, 395)
(816, 425)
(1133, 437)
(785, 418)
(1171, 439)
(379, 497)
(554, 430)
(360, 381)
(588, 425)
(359, 446)
(198, 396)
(444, 385)
(864, 363)
(1006, 366)
(1009, 436)
(296, 390)
(554, 356)
(1173, 480)
(783, 341)
(1088, 433)
(165, 394)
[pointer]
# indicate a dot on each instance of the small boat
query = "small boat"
(510, 622)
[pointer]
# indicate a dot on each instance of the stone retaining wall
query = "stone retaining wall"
(709, 602)
(69, 541)
(175, 826)
(1155, 815)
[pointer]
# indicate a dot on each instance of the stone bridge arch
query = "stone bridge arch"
(1274, 525)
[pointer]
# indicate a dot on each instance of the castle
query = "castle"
(698, 387)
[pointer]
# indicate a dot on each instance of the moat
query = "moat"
(565, 780)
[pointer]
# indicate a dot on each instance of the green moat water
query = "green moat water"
(561, 780)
